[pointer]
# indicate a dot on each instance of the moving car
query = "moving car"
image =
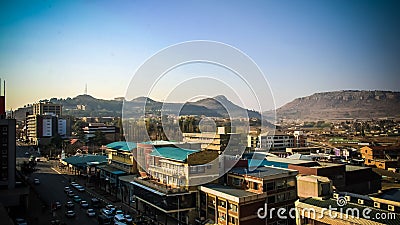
(69, 205)
(20, 221)
(66, 189)
(70, 193)
(70, 213)
(36, 181)
(111, 208)
(90, 212)
(119, 212)
(84, 204)
(107, 213)
(77, 198)
(119, 219)
(80, 188)
(95, 202)
(57, 205)
(128, 218)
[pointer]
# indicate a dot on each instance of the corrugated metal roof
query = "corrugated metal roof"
(83, 159)
(177, 154)
(122, 145)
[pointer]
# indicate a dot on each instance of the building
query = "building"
(12, 192)
(166, 187)
(314, 186)
(43, 108)
(245, 193)
(7, 153)
(382, 157)
(348, 208)
(276, 141)
(46, 122)
(111, 132)
(216, 141)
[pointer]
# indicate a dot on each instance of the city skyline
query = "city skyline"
(52, 49)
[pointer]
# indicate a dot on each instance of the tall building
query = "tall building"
(46, 122)
(7, 153)
(11, 193)
(43, 108)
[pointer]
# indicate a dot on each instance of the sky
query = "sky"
(53, 48)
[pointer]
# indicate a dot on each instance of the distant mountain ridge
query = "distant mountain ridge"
(351, 104)
(348, 104)
(218, 106)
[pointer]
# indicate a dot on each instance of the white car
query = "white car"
(119, 219)
(90, 212)
(36, 181)
(84, 204)
(107, 213)
(128, 218)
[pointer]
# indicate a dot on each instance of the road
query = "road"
(51, 189)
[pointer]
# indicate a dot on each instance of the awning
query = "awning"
(147, 188)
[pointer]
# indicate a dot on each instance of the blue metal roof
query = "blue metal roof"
(177, 154)
(122, 145)
(265, 162)
(84, 159)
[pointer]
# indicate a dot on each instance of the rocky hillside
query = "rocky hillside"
(343, 105)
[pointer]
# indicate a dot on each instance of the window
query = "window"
(232, 207)
(221, 216)
(280, 184)
(236, 181)
(222, 203)
(255, 185)
(390, 208)
(270, 186)
(193, 170)
(271, 199)
(280, 197)
(233, 220)
(377, 204)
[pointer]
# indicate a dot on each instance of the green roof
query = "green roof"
(81, 160)
(122, 145)
(177, 154)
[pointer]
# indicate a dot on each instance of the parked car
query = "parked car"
(69, 205)
(110, 208)
(36, 181)
(84, 204)
(107, 213)
(70, 213)
(70, 193)
(66, 189)
(119, 219)
(128, 218)
(57, 205)
(77, 198)
(95, 202)
(90, 212)
(20, 221)
(119, 212)
(80, 188)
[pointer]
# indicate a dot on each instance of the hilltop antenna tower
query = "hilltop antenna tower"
(86, 89)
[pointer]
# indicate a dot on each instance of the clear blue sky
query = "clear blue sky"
(52, 48)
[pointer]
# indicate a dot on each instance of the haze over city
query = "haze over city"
(53, 48)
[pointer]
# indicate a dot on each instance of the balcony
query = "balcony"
(166, 171)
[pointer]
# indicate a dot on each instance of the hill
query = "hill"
(347, 104)
(218, 106)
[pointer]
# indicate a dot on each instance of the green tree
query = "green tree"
(99, 138)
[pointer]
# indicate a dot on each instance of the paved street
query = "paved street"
(51, 189)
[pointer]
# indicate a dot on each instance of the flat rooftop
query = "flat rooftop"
(263, 172)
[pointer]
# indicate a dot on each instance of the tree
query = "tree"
(99, 138)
